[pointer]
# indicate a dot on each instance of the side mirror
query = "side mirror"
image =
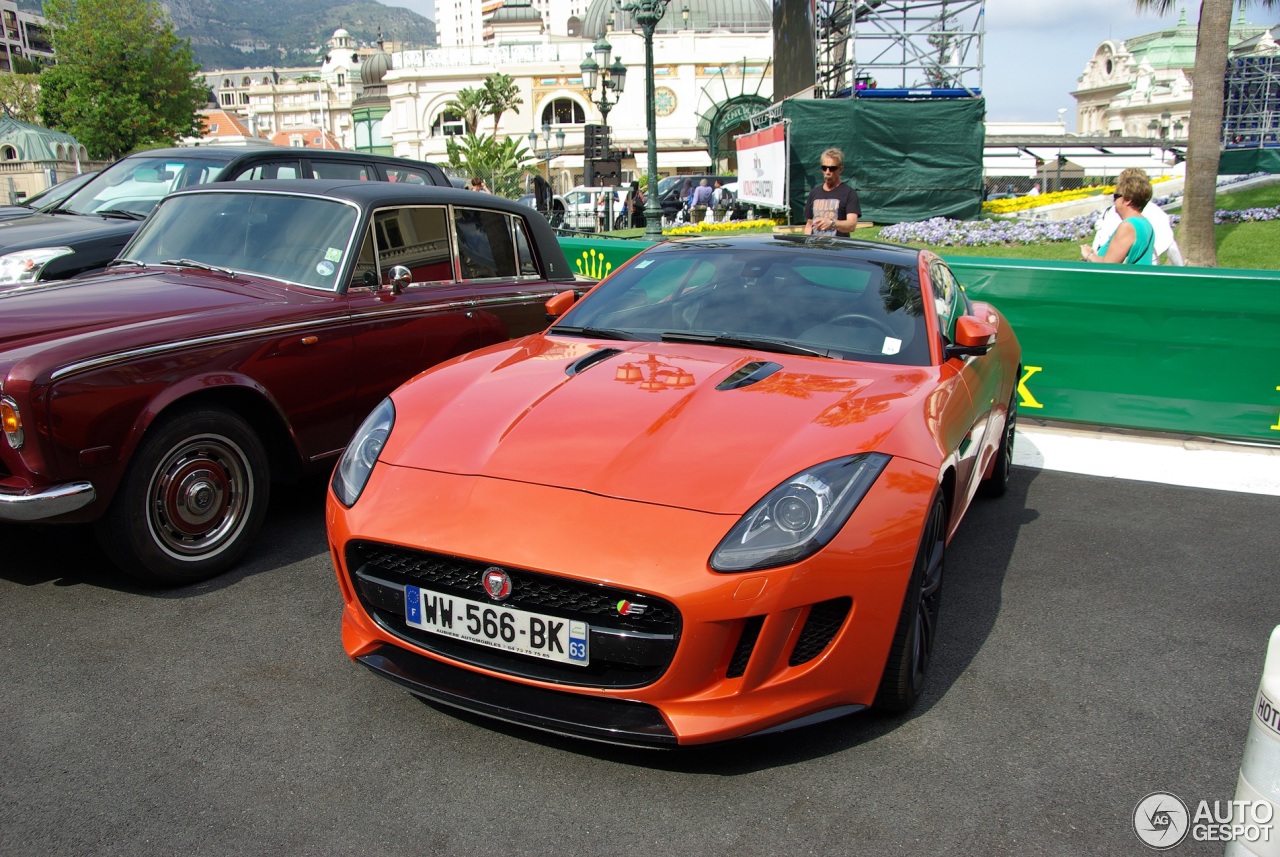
(559, 305)
(974, 338)
(399, 277)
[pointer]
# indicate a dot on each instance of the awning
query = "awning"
(676, 159)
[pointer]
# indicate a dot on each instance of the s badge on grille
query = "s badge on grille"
(630, 608)
(496, 582)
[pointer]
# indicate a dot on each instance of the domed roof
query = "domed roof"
(704, 16)
(341, 33)
(516, 12)
(374, 68)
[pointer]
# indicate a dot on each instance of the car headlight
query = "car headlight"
(11, 421)
(800, 516)
(25, 266)
(356, 464)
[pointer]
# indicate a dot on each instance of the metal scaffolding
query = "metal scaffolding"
(1251, 103)
(921, 46)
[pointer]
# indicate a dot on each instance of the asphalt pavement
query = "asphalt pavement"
(1102, 639)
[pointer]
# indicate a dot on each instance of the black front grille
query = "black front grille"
(625, 651)
(825, 619)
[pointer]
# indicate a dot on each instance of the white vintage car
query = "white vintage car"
(590, 209)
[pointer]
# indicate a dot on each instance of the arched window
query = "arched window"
(563, 111)
(61, 153)
(266, 80)
(447, 124)
(246, 81)
(8, 153)
(226, 83)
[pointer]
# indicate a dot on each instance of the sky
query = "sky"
(1035, 50)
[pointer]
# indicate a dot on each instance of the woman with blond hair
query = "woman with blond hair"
(1133, 242)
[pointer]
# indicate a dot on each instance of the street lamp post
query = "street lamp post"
(547, 154)
(610, 77)
(647, 14)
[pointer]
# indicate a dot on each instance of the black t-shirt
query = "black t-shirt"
(838, 203)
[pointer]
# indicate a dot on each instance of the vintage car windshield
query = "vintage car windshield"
(303, 239)
(804, 298)
(135, 185)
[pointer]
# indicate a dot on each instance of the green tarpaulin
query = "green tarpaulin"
(909, 159)
(1236, 162)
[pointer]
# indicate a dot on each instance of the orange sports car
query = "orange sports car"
(712, 500)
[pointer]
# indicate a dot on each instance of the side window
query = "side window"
(273, 170)
(365, 274)
(524, 250)
(341, 170)
(401, 174)
(947, 300)
(485, 247)
(417, 238)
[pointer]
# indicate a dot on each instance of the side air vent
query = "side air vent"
(749, 374)
(825, 619)
(589, 360)
(746, 644)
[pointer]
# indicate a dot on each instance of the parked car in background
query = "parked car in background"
(556, 213)
(673, 191)
(241, 337)
(725, 481)
(86, 230)
(585, 212)
(48, 197)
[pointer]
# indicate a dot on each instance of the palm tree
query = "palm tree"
(469, 105)
(1204, 134)
(501, 94)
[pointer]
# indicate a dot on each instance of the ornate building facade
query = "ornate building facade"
(1141, 87)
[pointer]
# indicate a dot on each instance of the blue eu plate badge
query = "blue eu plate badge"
(413, 604)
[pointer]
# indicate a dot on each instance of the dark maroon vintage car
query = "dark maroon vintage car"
(240, 338)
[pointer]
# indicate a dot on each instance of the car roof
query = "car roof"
(227, 154)
(363, 192)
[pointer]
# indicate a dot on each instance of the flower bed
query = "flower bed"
(704, 228)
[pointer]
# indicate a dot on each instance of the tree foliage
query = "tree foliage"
(1204, 134)
(501, 94)
(123, 79)
(20, 96)
(503, 164)
(468, 105)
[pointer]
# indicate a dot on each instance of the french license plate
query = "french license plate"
(548, 637)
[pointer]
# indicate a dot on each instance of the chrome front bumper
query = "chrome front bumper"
(50, 503)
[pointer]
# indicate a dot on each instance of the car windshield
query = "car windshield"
(791, 298)
(134, 185)
(301, 239)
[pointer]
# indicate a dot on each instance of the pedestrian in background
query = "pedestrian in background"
(1165, 242)
(637, 206)
(478, 184)
(832, 207)
(1133, 242)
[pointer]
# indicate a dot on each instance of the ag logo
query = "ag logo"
(1160, 820)
(496, 582)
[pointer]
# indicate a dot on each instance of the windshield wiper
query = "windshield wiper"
(134, 262)
(778, 346)
(120, 212)
(597, 332)
(204, 266)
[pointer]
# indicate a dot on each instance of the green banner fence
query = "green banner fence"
(1186, 350)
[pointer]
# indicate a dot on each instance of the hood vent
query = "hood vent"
(746, 376)
(588, 360)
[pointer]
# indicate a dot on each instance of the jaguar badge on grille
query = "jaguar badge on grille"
(496, 582)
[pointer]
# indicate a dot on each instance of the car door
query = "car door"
(498, 258)
(980, 374)
(399, 331)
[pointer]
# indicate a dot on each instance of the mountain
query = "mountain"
(227, 34)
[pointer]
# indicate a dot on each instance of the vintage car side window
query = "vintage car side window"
(341, 170)
(273, 170)
(416, 237)
(408, 176)
(485, 247)
(365, 273)
(524, 249)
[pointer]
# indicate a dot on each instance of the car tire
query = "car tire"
(913, 639)
(997, 483)
(192, 500)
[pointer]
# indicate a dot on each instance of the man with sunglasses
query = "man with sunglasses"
(832, 207)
